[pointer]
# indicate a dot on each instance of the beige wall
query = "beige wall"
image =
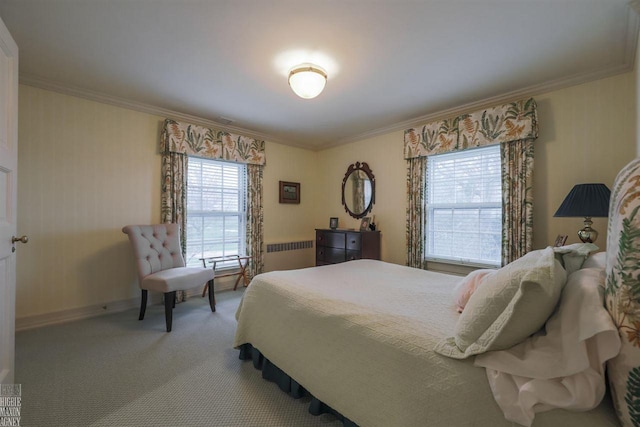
(384, 155)
(85, 170)
(289, 222)
(587, 133)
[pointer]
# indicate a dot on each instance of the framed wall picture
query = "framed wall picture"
(289, 192)
(364, 223)
(333, 223)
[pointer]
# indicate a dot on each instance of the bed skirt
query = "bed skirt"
(271, 372)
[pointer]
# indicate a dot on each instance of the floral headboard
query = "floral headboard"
(623, 291)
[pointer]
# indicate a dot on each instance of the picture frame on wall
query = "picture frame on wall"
(289, 192)
(364, 223)
(333, 223)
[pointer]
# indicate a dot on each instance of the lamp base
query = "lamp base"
(588, 234)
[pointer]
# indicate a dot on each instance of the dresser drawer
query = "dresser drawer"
(326, 255)
(351, 255)
(354, 241)
(334, 255)
(333, 240)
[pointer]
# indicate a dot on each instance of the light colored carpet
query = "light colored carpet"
(114, 370)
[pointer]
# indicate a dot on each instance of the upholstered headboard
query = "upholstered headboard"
(622, 292)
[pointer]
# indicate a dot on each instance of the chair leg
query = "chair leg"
(169, 300)
(143, 304)
(212, 297)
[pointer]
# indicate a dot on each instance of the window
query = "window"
(464, 207)
(216, 208)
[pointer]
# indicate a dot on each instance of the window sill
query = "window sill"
(452, 267)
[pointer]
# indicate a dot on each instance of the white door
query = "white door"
(8, 199)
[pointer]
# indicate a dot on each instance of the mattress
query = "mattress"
(359, 336)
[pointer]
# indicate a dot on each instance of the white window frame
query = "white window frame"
(431, 207)
(201, 215)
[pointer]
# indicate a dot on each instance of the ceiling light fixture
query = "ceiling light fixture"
(307, 80)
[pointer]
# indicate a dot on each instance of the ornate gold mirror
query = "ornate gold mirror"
(358, 190)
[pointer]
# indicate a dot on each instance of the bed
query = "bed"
(379, 344)
(359, 337)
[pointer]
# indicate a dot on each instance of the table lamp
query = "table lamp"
(588, 201)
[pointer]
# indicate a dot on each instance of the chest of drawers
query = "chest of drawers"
(336, 246)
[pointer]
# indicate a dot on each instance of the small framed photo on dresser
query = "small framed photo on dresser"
(364, 223)
(560, 240)
(333, 223)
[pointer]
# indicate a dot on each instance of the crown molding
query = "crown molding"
(41, 83)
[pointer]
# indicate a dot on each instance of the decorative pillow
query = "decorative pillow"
(467, 287)
(597, 260)
(622, 291)
(573, 256)
(512, 303)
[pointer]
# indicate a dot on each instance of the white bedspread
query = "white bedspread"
(359, 336)
(564, 367)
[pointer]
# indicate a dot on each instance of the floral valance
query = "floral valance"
(200, 141)
(504, 123)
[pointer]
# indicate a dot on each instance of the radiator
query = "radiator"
(289, 246)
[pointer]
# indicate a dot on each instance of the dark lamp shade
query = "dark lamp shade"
(586, 200)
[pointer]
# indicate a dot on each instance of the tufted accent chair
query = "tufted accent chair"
(161, 266)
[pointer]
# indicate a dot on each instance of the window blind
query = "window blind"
(464, 207)
(216, 210)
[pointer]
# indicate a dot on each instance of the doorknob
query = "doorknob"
(23, 239)
(14, 239)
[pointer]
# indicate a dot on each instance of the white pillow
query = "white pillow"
(512, 303)
(573, 256)
(597, 260)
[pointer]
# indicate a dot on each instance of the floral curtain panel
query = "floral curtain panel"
(255, 215)
(517, 199)
(514, 126)
(174, 199)
(416, 212)
(180, 140)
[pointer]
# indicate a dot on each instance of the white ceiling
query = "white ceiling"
(391, 63)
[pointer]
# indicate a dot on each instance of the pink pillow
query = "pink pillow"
(467, 287)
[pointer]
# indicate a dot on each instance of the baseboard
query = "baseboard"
(62, 316)
(87, 312)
